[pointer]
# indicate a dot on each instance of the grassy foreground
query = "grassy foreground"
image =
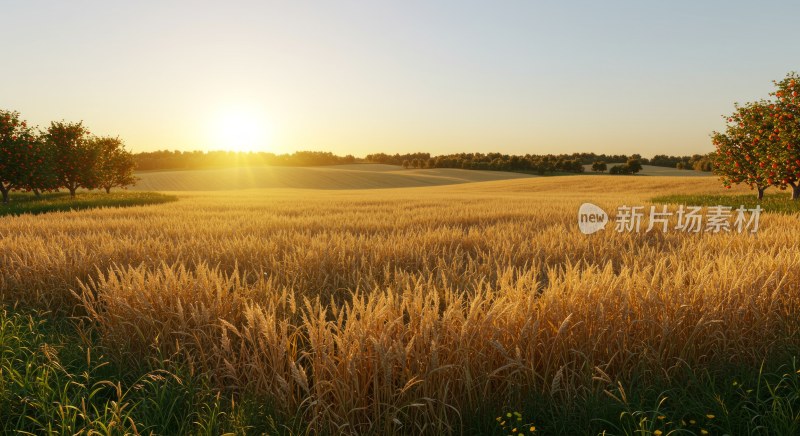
(61, 201)
(778, 203)
(56, 380)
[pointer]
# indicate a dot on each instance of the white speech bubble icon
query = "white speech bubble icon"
(591, 218)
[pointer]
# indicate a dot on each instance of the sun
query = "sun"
(243, 131)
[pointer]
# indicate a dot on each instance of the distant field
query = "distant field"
(650, 170)
(359, 176)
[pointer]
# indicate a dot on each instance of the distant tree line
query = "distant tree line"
(493, 161)
(165, 159)
(481, 161)
(531, 163)
(697, 162)
(63, 156)
(570, 163)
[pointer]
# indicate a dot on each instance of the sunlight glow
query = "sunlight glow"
(242, 130)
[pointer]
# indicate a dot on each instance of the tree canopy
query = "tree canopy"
(760, 146)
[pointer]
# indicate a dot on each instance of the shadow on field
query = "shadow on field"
(61, 201)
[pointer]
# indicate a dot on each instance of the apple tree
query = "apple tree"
(784, 157)
(115, 164)
(17, 142)
(741, 152)
(41, 176)
(761, 143)
(75, 156)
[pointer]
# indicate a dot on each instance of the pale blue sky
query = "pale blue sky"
(358, 77)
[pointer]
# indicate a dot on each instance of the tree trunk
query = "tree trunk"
(37, 192)
(108, 189)
(761, 193)
(72, 191)
(5, 193)
(796, 192)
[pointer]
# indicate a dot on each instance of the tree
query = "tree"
(76, 157)
(599, 166)
(634, 165)
(784, 155)
(744, 153)
(42, 175)
(761, 143)
(703, 164)
(620, 169)
(16, 152)
(406, 164)
(115, 164)
(740, 154)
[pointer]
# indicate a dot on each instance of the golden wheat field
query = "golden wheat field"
(401, 310)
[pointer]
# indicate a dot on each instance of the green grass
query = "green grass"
(54, 380)
(21, 203)
(779, 203)
(731, 399)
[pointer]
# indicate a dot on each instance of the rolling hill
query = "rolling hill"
(355, 176)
